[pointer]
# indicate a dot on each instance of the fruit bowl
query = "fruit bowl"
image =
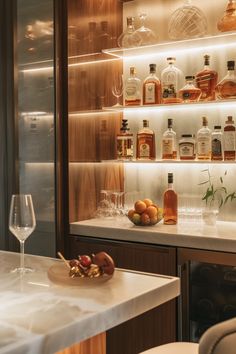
(145, 213)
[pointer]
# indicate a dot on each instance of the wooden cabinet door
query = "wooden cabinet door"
(155, 327)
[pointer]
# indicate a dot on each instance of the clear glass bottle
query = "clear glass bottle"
(187, 147)
(125, 142)
(217, 143)
(104, 38)
(146, 149)
(226, 88)
(171, 81)
(132, 91)
(147, 35)
(190, 93)
(169, 142)
(204, 141)
(129, 38)
(229, 139)
(90, 41)
(206, 81)
(170, 203)
(152, 87)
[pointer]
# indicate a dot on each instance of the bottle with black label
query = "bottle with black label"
(216, 143)
(124, 140)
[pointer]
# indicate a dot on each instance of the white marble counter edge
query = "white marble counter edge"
(221, 237)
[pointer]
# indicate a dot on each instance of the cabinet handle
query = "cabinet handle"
(183, 302)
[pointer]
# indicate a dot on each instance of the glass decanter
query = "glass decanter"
(146, 34)
(188, 21)
(228, 21)
(129, 38)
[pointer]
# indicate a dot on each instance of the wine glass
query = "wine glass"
(117, 88)
(22, 223)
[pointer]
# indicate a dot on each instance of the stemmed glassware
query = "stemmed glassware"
(146, 34)
(22, 223)
(117, 88)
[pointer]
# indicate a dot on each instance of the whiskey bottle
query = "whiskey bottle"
(169, 142)
(190, 93)
(152, 87)
(226, 88)
(229, 139)
(171, 81)
(206, 81)
(125, 143)
(216, 143)
(170, 203)
(204, 141)
(132, 89)
(187, 147)
(145, 147)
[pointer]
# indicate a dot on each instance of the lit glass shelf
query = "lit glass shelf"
(208, 42)
(178, 162)
(175, 106)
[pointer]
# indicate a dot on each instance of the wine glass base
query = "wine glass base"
(20, 270)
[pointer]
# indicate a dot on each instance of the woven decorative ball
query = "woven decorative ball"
(188, 21)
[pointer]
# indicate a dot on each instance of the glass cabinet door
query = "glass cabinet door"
(35, 117)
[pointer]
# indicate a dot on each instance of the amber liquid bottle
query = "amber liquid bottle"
(152, 87)
(146, 149)
(206, 81)
(229, 139)
(170, 203)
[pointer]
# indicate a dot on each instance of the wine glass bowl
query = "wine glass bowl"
(147, 35)
(22, 223)
(117, 88)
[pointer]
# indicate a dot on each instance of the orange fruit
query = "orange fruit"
(153, 220)
(140, 206)
(151, 211)
(148, 202)
(131, 213)
(145, 219)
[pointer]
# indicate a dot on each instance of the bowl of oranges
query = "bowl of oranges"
(145, 213)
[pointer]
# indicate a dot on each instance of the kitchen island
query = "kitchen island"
(41, 316)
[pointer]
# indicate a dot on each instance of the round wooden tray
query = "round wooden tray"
(59, 273)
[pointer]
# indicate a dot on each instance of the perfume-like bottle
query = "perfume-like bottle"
(130, 37)
(190, 93)
(228, 21)
(146, 34)
(226, 88)
(172, 80)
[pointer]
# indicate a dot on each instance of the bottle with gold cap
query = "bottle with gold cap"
(229, 139)
(204, 141)
(132, 90)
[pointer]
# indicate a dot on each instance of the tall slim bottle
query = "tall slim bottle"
(229, 139)
(204, 141)
(170, 203)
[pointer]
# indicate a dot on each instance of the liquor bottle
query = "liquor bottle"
(226, 88)
(169, 142)
(129, 38)
(204, 141)
(132, 89)
(229, 139)
(125, 143)
(146, 149)
(227, 22)
(171, 81)
(170, 203)
(90, 41)
(190, 93)
(217, 143)
(104, 38)
(187, 147)
(206, 81)
(152, 87)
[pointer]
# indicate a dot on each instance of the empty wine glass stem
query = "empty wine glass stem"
(22, 251)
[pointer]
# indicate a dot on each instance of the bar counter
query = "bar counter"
(41, 316)
(221, 237)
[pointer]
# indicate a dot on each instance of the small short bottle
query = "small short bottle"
(146, 149)
(170, 203)
(190, 93)
(152, 87)
(125, 142)
(217, 143)
(169, 142)
(204, 141)
(229, 139)
(187, 147)
(132, 90)
(171, 82)
(206, 81)
(226, 88)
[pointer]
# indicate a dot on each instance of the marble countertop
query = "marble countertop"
(41, 317)
(221, 237)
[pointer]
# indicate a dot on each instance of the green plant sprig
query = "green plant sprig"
(213, 193)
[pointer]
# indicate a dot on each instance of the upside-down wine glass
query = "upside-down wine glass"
(22, 223)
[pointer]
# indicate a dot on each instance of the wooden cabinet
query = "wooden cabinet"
(153, 328)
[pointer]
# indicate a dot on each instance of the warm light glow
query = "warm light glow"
(33, 70)
(92, 113)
